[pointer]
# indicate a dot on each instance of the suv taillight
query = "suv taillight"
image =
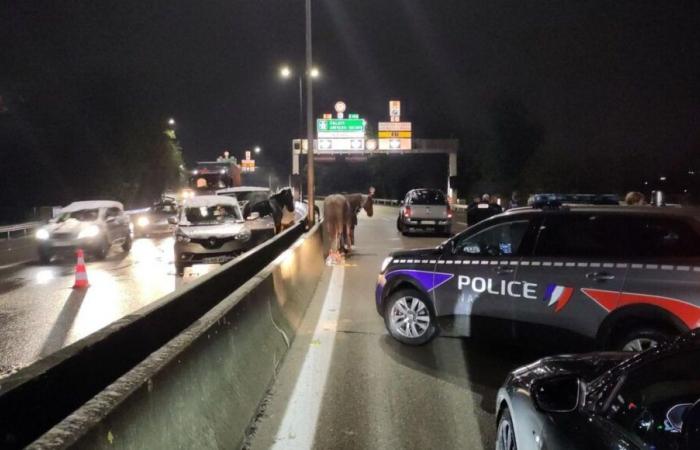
(407, 211)
(449, 212)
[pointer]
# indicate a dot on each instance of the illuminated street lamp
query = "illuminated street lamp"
(171, 122)
(286, 73)
(257, 150)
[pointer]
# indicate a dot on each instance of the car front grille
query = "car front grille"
(213, 242)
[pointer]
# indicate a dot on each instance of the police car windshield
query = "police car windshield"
(84, 215)
(427, 197)
(212, 215)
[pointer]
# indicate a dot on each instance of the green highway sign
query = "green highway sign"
(340, 125)
(353, 116)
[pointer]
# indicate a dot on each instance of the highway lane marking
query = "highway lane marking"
(298, 427)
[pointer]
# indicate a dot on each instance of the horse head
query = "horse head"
(368, 204)
(285, 198)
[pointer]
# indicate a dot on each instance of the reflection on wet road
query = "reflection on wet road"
(40, 312)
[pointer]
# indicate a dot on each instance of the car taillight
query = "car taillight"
(449, 212)
(407, 211)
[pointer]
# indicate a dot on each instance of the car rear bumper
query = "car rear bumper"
(426, 223)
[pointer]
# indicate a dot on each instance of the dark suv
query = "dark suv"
(626, 277)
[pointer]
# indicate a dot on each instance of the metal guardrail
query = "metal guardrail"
(380, 201)
(24, 227)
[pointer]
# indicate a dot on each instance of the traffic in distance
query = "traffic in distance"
(565, 272)
(213, 220)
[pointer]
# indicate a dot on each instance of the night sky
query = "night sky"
(607, 81)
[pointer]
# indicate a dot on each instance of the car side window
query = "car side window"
(112, 212)
(582, 236)
(653, 399)
(664, 238)
(499, 240)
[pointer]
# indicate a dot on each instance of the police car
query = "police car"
(626, 277)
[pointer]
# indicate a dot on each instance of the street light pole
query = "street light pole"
(301, 107)
(309, 119)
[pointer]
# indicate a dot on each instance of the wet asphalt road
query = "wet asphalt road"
(345, 384)
(41, 313)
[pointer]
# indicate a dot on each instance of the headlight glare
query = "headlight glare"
(143, 221)
(42, 234)
(89, 232)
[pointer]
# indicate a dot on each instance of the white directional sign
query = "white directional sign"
(337, 144)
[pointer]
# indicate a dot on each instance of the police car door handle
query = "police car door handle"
(503, 270)
(600, 276)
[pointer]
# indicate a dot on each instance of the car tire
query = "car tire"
(410, 308)
(44, 256)
(126, 246)
(505, 433)
(102, 250)
(642, 338)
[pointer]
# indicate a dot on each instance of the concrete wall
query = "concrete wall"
(203, 387)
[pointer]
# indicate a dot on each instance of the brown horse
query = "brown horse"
(337, 218)
(357, 202)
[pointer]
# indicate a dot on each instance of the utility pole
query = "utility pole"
(309, 120)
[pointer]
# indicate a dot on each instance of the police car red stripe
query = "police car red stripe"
(611, 300)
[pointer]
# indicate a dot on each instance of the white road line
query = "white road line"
(298, 426)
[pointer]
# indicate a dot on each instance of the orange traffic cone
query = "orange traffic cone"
(81, 279)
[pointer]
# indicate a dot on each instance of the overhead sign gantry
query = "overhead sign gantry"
(348, 136)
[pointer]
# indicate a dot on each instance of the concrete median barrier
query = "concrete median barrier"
(39, 396)
(202, 388)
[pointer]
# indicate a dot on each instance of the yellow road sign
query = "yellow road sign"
(394, 134)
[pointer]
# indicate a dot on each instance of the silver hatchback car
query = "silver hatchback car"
(93, 226)
(210, 230)
(425, 209)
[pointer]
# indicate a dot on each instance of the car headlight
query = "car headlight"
(143, 222)
(42, 234)
(385, 263)
(243, 235)
(182, 238)
(89, 232)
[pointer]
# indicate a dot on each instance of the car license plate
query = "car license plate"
(428, 222)
(216, 259)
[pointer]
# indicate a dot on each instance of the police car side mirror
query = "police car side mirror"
(557, 394)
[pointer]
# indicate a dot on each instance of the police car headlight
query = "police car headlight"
(42, 234)
(385, 263)
(182, 238)
(143, 222)
(89, 232)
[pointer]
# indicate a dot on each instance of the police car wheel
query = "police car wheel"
(641, 339)
(505, 436)
(408, 318)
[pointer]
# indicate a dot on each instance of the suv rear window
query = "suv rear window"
(582, 236)
(662, 237)
(427, 197)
